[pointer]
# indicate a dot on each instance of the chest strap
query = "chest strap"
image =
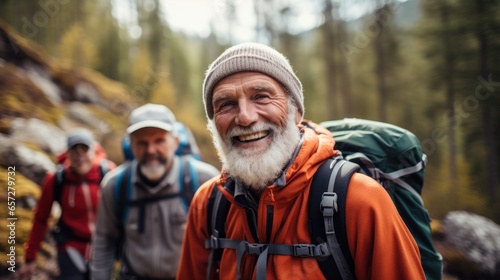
(262, 250)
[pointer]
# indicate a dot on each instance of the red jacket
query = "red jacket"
(379, 241)
(78, 206)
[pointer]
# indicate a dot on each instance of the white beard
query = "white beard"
(257, 171)
(153, 171)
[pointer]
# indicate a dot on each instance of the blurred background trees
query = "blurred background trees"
(430, 66)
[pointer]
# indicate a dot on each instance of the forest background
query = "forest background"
(429, 66)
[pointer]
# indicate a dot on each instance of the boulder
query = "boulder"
(32, 164)
(80, 113)
(48, 137)
(476, 237)
(40, 76)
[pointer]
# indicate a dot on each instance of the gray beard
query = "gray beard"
(153, 171)
(257, 171)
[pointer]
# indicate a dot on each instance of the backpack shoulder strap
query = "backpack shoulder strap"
(328, 191)
(103, 168)
(188, 180)
(59, 181)
(122, 193)
(217, 210)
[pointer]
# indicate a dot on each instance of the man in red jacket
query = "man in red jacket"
(76, 187)
(254, 105)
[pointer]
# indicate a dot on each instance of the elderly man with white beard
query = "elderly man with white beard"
(145, 229)
(255, 106)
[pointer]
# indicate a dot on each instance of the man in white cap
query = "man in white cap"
(254, 105)
(75, 186)
(142, 214)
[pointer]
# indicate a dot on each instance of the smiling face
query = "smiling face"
(254, 127)
(81, 157)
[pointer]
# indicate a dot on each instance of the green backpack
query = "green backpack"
(387, 153)
(393, 156)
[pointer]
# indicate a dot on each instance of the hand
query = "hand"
(27, 270)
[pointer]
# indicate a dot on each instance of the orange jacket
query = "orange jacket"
(380, 243)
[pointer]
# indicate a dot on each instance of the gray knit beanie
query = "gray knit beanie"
(252, 57)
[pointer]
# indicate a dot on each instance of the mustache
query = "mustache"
(146, 158)
(238, 131)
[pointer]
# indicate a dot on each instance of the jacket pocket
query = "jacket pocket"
(178, 221)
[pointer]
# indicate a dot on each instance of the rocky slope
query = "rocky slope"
(42, 99)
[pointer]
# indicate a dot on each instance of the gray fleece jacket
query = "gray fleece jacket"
(155, 253)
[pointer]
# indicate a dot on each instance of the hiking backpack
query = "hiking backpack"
(188, 181)
(61, 232)
(187, 142)
(393, 156)
(387, 153)
(60, 178)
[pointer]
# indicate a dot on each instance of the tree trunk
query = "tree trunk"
(449, 64)
(345, 77)
(488, 127)
(380, 67)
(332, 95)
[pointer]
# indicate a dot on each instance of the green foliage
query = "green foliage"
(23, 188)
(75, 51)
(21, 98)
(440, 197)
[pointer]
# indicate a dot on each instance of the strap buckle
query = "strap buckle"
(255, 248)
(328, 204)
(324, 250)
(303, 250)
(212, 242)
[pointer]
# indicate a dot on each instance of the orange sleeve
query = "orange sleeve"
(194, 256)
(379, 241)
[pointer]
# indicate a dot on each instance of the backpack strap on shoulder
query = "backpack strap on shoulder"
(331, 199)
(122, 194)
(59, 181)
(188, 180)
(103, 168)
(217, 210)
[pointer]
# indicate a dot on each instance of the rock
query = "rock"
(48, 137)
(79, 112)
(476, 237)
(40, 76)
(32, 164)
(86, 93)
